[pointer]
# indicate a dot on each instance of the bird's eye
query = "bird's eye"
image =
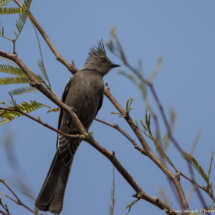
(103, 60)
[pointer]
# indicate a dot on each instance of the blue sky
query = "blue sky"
(182, 32)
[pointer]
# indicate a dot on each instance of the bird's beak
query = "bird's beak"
(114, 65)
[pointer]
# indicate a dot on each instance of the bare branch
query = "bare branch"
(70, 67)
(140, 193)
(3, 213)
(19, 202)
(16, 109)
(149, 152)
(136, 146)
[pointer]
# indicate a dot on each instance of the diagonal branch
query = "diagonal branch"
(88, 138)
(70, 67)
(16, 109)
(19, 202)
(149, 152)
(140, 193)
(1, 212)
(35, 83)
(136, 146)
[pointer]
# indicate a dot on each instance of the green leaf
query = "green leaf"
(113, 31)
(42, 69)
(22, 18)
(10, 10)
(209, 171)
(196, 165)
(36, 211)
(110, 45)
(12, 70)
(163, 154)
(14, 80)
(28, 196)
(143, 125)
(130, 205)
(112, 196)
(114, 112)
(2, 34)
(158, 66)
(23, 90)
(7, 115)
(41, 62)
(147, 120)
(128, 104)
(164, 195)
(5, 2)
(16, 71)
(5, 59)
(129, 76)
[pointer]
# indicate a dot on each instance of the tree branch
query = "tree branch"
(110, 155)
(70, 67)
(149, 152)
(136, 146)
(16, 109)
(3, 213)
(35, 83)
(140, 193)
(19, 202)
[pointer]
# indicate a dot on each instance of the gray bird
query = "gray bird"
(84, 94)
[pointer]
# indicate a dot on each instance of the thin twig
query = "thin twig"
(197, 190)
(140, 193)
(35, 83)
(69, 66)
(149, 152)
(3, 213)
(19, 202)
(16, 109)
(136, 146)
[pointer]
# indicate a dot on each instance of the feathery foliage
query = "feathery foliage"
(2, 34)
(112, 196)
(7, 115)
(14, 80)
(23, 90)
(209, 171)
(196, 165)
(40, 63)
(21, 79)
(156, 70)
(11, 70)
(128, 104)
(4, 206)
(130, 205)
(5, 2)
(42, 69)
(23, 14)
(12, 10)
(7, 60)
(22, 18)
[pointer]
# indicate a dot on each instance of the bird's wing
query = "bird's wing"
(100, 104)
(63, 98)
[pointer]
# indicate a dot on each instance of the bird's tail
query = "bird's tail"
(52, 193)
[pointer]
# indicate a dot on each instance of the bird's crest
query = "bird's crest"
(98, 51)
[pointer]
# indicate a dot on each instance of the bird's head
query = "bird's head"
(98, 61)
